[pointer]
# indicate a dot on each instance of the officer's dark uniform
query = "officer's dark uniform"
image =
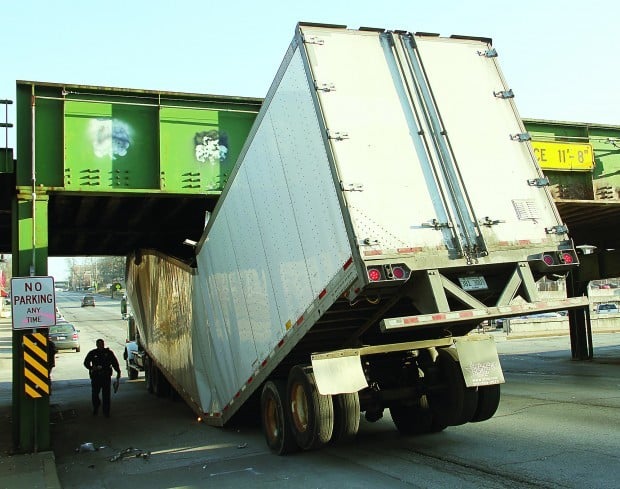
(100, 363)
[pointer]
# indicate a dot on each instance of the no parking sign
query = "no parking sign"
(33, 303)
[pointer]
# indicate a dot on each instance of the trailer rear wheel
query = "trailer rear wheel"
(456, 403)
(148, 375)
(346, 416)
(488, 402)
(161, 386)
(312, 414)
(132, 373)
(275, 420)
(412, 420)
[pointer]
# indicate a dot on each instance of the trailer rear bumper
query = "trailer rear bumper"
(411, 322)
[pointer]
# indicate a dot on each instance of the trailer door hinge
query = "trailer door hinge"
(314, 40)
(352, 187)
(504, 94)
(487, 221)
(489, 53)
(368, 242)
(337, 135)
(538, 182)
(435, 224)
(325, 87)
(563, 229)
(521, 137)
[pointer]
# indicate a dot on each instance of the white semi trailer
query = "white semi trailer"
(385, 204)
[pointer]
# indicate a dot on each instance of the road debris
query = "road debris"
(86, 447)
(131, 453)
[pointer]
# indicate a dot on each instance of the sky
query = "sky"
(559, 57)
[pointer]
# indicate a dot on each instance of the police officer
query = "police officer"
(100, 363)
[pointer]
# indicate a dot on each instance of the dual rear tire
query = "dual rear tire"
(295, 416)
(452, 404)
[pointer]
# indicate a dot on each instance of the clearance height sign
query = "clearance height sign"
(33, 304)
(564, 156)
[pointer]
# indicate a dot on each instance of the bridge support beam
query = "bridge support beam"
(579, 322)
(31, 417)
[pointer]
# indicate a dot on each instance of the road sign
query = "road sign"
(33, 304)
(37, 365)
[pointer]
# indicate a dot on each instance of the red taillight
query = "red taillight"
(548, 259)
(374, 274)
(75, 336)
(567, 258)
(398, 273)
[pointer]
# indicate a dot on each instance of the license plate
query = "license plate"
(61, 338)
(473, 283)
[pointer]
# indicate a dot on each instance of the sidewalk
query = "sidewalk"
(31, 471)
(28, 471)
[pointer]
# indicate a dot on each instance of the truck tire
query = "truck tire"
(132, 373)
(488, 402)
(148, 375)
(412, 420)
(455, 404)
(161, 386)
(312, 414)
(346, 416)
(275, 418)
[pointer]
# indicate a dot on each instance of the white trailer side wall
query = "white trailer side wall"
(275, 241)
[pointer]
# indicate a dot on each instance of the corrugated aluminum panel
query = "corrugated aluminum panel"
(495, 168)
(272, 245)
(392, 131)
(394, 192)
(162, 291)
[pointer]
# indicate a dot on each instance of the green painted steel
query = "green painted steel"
(603, 183)
(199, 147)
(110, 147)
(31, 428)
(95, 139)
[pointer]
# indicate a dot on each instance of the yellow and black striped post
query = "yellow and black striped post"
(36, 365)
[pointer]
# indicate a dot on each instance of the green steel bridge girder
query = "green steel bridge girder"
(31, 428)
(94, 139)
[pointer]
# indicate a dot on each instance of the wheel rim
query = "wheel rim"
(271, 420)
(299, 408)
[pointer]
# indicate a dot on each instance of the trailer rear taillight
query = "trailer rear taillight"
(387, 272)
(566, 258)
(374, 274)
(552, 259)
(398, 273)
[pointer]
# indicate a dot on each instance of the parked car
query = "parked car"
(88, 300)
(65, 336)
(607, 308)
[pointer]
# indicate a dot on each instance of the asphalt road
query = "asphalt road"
(556, 427)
